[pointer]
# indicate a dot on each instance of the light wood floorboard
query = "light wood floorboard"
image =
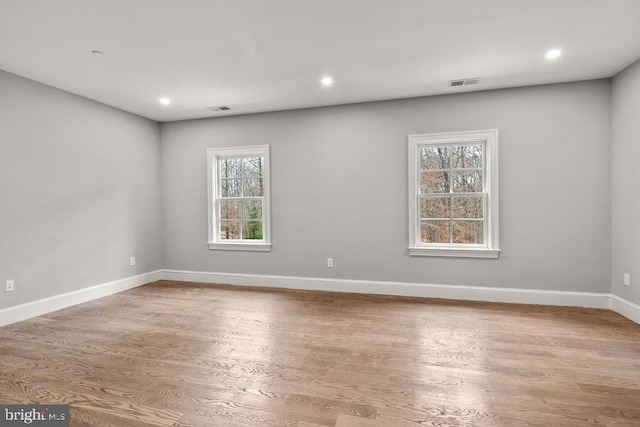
(187, 354)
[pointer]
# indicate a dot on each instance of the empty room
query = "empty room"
(319, 213)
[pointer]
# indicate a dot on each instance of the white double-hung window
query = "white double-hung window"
(239, 204)
(453, 194)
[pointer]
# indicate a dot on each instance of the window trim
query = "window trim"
(491, 248)
(213, 189)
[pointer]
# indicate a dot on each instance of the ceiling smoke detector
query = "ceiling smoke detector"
(464, 82)
(219, 108)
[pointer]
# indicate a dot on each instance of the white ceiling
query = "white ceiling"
(266, 55)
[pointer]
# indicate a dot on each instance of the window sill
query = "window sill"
(253, 247)
(455, 252)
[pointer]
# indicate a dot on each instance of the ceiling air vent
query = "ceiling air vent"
(219, 108)
(464, 82)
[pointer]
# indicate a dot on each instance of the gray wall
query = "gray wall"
(79, 192)
(339, 188)
(626, 182)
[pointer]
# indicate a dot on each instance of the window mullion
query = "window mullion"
(450, 196)
(240, 228)
(417, 231)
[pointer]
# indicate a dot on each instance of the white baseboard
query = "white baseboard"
(47, 305)
(474, 293)
(625, 308)
(471, 293)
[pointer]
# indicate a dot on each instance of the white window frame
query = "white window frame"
(490, 248)
(214, 196)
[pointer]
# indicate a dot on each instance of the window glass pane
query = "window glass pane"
(435, 231)
(230, 187)
(230, 168)
(252, 209)
(468, 207)
(468, 232)
(434, 182)
(229, 229)
(252, 230)
(253, 167)
(252, 187)
(467, 182)
(434, 158)
(435, 207)
(467, 156)
(229, 209)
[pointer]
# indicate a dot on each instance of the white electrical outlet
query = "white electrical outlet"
(132, 261)
(10, 286)
(627, 279)
(329, 262)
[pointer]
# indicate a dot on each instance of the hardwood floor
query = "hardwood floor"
(185, 354)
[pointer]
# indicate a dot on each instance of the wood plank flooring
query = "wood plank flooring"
(186, 354)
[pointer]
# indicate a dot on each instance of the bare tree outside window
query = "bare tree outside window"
(241, 199)
(451, 194)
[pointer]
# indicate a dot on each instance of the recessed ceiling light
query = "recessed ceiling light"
(326, 81)
(165, 101)
(553, 53)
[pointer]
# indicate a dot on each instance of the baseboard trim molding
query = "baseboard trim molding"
(472, 293)
(47, 305)
(625, 308)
